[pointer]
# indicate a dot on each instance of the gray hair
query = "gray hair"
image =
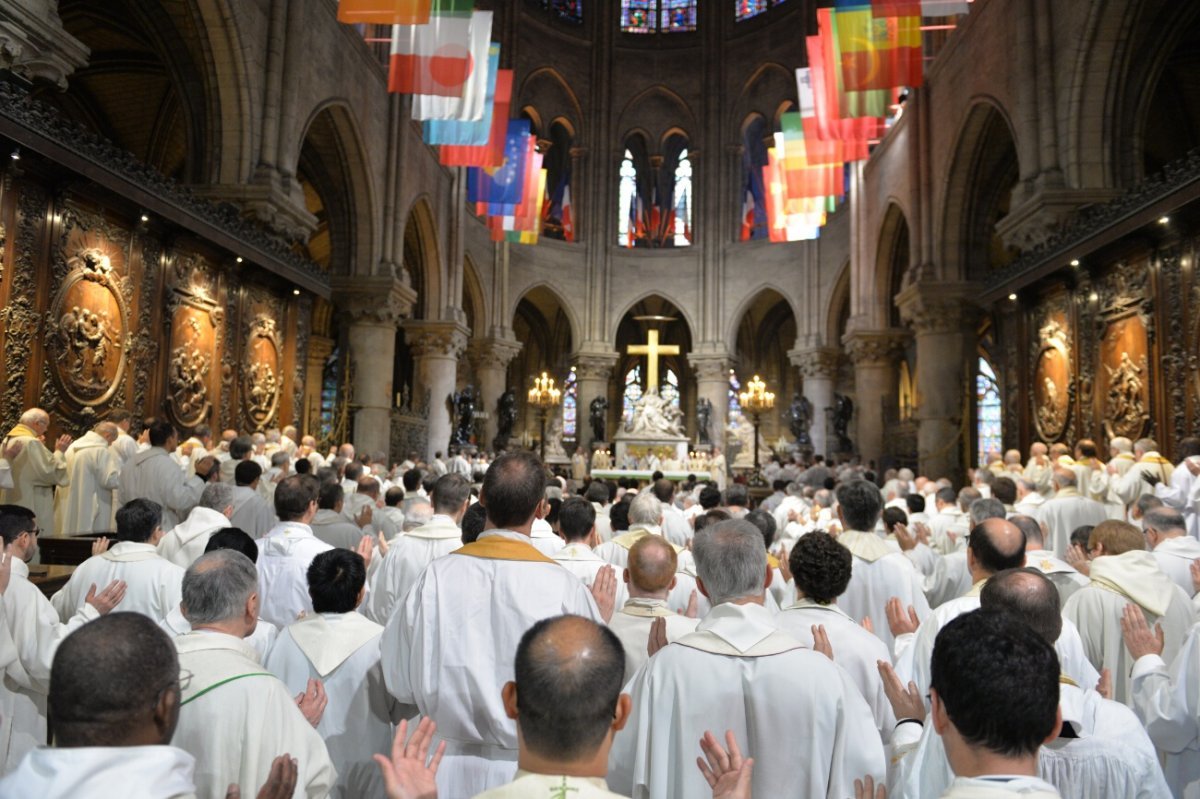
(986, 508)
(216, 587)
(217, 496)
(645, 509)
(418, 513)
(731, 560)
(824, 498)
(279, 459)
(35, 416)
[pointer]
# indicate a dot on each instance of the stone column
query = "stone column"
(490, 358)
(436, 348)
(819, 367)
(874, 353)
(34, 44)
(940, 315)
(593, 371)
(372, 307)
(712, 383)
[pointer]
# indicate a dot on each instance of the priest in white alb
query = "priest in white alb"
(1174, 550)
(1067, 510)
(811, 736)
(154, 474)
(153, 582)
(1122, 570)
(340, 648)
(36, 470)
(577, 524)
(410, 553)
(251, 512)
(1149, 463)
(235, 716)
(186, 541)
(880, 570)
(448, 647)
(93, 473)
(1066, 578)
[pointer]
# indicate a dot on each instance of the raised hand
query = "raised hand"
(99, 546)
(107, 599)
(868, 625)
(693, 605)
(63, 442)
(1138, 638)
(366, 549)
(312, 702)
(604, 591)
(382, 542)
(658, 636)
(900, 622)
(5, 571)
(1195, 569)
(409, 774)
(921, 529)
(364, 516)
(12, 449)
(865, 789)
(821, 641)
(280, 784)
(1104, 686)
(906, 703)
(1078, 559)
(785, 567)
(728, 774)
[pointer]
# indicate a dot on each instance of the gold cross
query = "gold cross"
(652, 349)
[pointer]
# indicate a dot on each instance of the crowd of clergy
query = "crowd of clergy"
(261, 619)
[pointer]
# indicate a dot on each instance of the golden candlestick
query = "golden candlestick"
(754, 400)
(544, 396)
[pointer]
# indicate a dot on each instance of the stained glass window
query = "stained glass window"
(678, 16)
(633, 392)
(987, 412)
(670, 388)
(683, 201)
(569, 10)
(650, 16)
(625, 200)
(745, 9)
(735, 407)
(637, 16)
(570, 404)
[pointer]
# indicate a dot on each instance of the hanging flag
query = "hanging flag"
(468, 104)
(568, 225)
(384, 12)
(497, 191)
(869, 103)
(490, 154)
(877, 52)
(467, 133)
(945, 8)
(748, 216)
(895, 8)
(435, 58)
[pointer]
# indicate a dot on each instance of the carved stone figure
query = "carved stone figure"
(263, 388)
(704, 411)
(843, 412)
(741, 430)
(506, 418)
(598, 416)
(800, 419)
(655, 417)
(464, 411)
(1123, 403)
(1048, 410)
(554, 439)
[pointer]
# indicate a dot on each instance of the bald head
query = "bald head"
(996, 545)
(107, 430)
(36, 419)
(652, 565)
(568, 676)
(1028, 595)
(1032, 528)
(1063, 478)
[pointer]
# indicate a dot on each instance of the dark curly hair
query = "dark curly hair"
(820, 566)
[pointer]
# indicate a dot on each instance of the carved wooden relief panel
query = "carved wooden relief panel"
(262, 361)
(1053, 380)
(87, 325)
(196, 315)
(1123, 380)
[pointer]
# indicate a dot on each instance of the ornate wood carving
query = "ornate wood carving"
(262, 360)
(20, 318)
(303, 329)
(146, 343)
(197, 317)
(1052, 379)
(1123, 377)
(1175, 355)
(87, 325)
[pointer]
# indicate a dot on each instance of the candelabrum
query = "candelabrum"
(544, 396)
(754, 401)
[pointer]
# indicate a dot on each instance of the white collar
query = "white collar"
(741, 626)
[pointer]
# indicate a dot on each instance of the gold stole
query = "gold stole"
(498, 548)
(21, 430)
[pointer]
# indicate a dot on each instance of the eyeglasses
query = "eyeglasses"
(185, 679)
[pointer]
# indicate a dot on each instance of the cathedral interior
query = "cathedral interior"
(216, 212)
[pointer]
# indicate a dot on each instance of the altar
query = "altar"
(656, 426)
(644, 475)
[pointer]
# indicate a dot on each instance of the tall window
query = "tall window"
(570, 404)
(735, 407)
(568, 10)
(987, 412)
(669, 390)
(745, 9)
(632, 393)
(683, 201)
(650, 16)
(628, 190)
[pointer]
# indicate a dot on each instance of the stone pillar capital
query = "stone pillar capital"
(816, 362)
(594, 365)
(492, 353)
(436, 339)
(35, 45)
(710, 366)
(937, 307)
(375, 300)
(874, 346)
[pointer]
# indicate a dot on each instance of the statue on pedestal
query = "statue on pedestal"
(506, 418)
(598, 416)
(654, 416)
(464, 414)
(843, 411)
(704, 411)
(800, 419)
